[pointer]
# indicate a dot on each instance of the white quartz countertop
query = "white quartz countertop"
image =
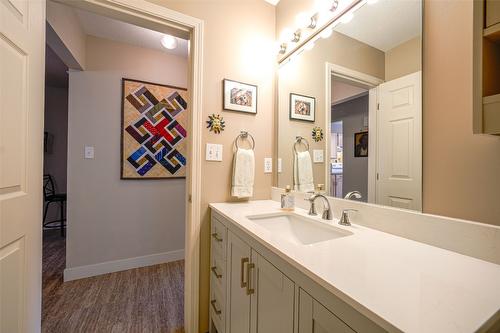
(409, 285)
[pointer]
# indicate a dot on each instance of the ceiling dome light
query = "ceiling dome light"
(169, 42)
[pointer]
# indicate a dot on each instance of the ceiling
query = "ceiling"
(272, 2)
(108, 28)
(385, 24)
(56, 72)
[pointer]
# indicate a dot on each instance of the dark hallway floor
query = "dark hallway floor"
(148, 299)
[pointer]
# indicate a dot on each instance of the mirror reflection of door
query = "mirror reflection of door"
(349, 119)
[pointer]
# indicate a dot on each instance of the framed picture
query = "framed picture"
(239, 96)
(153, 131)
(361, 144)
(302, 107)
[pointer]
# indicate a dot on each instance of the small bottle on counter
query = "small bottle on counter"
(287, 199)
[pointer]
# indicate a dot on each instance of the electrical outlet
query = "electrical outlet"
(318, 156)
(89, 152)
(280, 165)
(268, 165)
(213, 152)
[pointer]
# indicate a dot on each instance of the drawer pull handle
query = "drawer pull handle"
(250, 266)
(242, 272)
(214, 270)
(217, 311)
(216, 237)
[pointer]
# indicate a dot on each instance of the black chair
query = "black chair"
(50, 196)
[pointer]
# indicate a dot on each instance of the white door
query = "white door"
(400, 143)
(22, 46)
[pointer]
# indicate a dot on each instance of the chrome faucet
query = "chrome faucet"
(327, 212)
(344, 219)
(353, 195)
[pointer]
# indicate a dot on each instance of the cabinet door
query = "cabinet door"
(315, 318)
(238, 309)
(272, 298)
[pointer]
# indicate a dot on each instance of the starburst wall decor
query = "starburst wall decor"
(216, 123)
(317, 134)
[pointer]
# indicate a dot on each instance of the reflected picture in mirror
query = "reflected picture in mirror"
(366, 79)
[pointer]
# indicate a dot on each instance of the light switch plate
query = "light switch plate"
(213, 152)
(318, 156)
(89, 152)
(268, 165)
(280, 165)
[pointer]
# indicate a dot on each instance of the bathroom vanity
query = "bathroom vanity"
(276, 271)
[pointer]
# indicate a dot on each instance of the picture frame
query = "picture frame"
(239, 96)
(361, 144)
(153, 130)
(302, 107)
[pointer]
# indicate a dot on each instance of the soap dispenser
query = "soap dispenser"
(287, 199)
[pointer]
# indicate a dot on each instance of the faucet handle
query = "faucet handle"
(344, 219)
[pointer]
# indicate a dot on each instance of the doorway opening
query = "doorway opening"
(127, 114)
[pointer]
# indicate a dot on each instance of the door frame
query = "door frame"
(149, 15)
(371, 83)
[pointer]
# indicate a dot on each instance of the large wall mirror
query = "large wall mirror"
(350, 108)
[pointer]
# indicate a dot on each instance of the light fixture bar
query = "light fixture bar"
(353, 6)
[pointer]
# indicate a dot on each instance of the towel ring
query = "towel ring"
(244, 135)
(299, 140)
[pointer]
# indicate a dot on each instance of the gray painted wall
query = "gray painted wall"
(355, 169)
(108, 218)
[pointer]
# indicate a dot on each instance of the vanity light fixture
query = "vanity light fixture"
(306, 21)
(326, 5)
(282, 48)
(309, 46)
(296, 36)
(169, 42)
(326, 33)
(346, 18)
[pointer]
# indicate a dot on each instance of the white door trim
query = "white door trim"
(150, 15)
(367, 81)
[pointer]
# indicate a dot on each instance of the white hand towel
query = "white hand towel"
(243, 173)
(302, 172)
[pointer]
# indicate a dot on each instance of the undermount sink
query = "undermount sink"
(298, 229)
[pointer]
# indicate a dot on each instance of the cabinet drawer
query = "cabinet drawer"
(217, 308)
(218, 237)
(218, 273)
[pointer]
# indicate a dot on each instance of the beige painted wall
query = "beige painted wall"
(461, 173)
(404, 59)
(65, 24)
(306, 75)
(109, 218)
(238, 44)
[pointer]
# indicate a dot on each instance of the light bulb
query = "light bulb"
(346, 18)
(286, 35)
(325, 5)
(326, 33)
(302, 20)
(169, 42)
(309, 46)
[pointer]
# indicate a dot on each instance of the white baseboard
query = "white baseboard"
(81, 272)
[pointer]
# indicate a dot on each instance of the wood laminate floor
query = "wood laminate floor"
(148, 299)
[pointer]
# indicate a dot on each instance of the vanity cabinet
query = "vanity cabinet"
(260, 297)
(252, 290)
